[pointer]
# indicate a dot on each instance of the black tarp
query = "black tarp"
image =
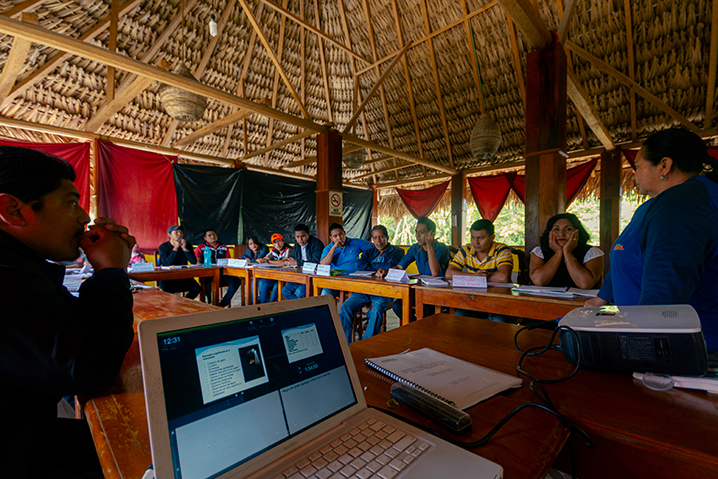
(239, 203)
(209, 197)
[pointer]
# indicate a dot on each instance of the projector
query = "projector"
(664, 339)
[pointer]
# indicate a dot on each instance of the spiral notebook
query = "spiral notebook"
(456, 382)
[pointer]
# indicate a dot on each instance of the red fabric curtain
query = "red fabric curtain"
(137, 189)
(422, 202)
(77, 154)
(713, 151)
(630, 156)
(490, 193)
(576, 179)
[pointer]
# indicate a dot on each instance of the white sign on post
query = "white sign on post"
(397, 276)
(470, 281)
(309, 268)
(336, 203)
(324, 270)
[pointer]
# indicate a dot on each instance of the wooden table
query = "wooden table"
(159, 274)
(282, 275)
(245, 275)
(373, 286)
(494, 300)
(117, 418)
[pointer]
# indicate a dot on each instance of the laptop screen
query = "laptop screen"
(236, 389)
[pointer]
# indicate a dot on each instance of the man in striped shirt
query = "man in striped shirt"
(483, 256)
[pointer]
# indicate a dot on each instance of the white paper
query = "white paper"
(362, 274)
(472, 281)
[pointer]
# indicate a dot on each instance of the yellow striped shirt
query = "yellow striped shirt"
(499, 254)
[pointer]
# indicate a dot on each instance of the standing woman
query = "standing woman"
(564, 257)
(668, 253)
(255, 249)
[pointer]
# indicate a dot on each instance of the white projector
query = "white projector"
(663, 339)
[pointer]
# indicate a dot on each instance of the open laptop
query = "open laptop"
(271, 391)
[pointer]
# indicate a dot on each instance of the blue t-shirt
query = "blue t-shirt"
(345, 258)
(668, 254)
(418, 254)
(373, 259)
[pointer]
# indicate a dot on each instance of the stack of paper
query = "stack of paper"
(556, 291)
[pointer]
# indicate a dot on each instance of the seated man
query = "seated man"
(431, 256)
(268, 289)
(219, 251)
(177, 252)
(381, 256)
(306, 249)
(53, 344)
(343, 253)
(483, 257)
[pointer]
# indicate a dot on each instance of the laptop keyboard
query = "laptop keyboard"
(372, 450)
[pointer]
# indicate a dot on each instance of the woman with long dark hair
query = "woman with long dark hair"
(668, 253)
(564, 257)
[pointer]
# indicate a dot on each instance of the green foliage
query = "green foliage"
(510, 224)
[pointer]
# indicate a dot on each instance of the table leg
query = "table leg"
(216, 288)
(406, 308)
(419, 300)
(280, 285)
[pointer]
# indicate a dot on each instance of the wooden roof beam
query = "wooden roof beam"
(134, 85)
(212, 127)
(16, 58)
(58, 58)
(373, 90)
(606, 68)
(314, 30)
(273, 57)
(21, 8)
(275, 88)
(566, 18)
(379, 172)
(112, 46)
(711, 87)
(313, 159)
(102, 55)
(632, 63)
(473, 59)
(323, 63)
(279, 144)
(527, 19)
(437, 84)
(438, 32)
(209, 51)
(517, 59)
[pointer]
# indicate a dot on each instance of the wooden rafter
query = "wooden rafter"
(275, 88)
(711, 87)
(472, 58)
(273, 57)
(579, 97)
(566, 18)
(632, 64)
(240, 89)
(279, 144)
(16, 58)
(313, 159)
(437, 84)
(373, 90)
(21, 8)
(315, 30)
(54, 61)
(323, 63)
(133, 85)
(379, 172)
(517, 59)
(608, 69)
(112, 46)
(466, 17)
(212, 127)
(208, 53)
(303, 69)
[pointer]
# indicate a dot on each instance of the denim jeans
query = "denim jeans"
(267, 290)
(355, 303)
(294, 291)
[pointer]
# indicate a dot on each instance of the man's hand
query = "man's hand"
(262, 260)
(290, 262)
(595, 302)
(183, 244)
(107, 244)
(481, 272)
(381, 273)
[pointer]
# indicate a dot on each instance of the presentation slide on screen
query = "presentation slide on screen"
(301, 342)
(229, 368)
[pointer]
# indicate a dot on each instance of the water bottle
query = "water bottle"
(207, 257)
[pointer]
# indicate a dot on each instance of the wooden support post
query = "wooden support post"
(458, 209)
(610, 202)
(545, 139)
(329, 179)
(375, 208)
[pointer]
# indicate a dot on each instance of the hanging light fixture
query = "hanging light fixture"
(485, 138)
(355, 159)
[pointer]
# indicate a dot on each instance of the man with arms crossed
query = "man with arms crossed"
(431, 256)
(381, 256)
(343, 253)
(51, 343)
(306, 249)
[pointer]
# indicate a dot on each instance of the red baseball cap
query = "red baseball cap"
(275, 237)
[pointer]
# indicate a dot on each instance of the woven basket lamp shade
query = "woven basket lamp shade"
(180, 104)
(485, 138)
(355, 159)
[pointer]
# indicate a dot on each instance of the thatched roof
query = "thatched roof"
(420, 117)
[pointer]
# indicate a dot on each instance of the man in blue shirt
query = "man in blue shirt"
(307, 248)
(381, 256)
(431, 256)
(343, 253)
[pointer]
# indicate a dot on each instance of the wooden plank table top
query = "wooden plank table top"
(496, 300)
(160, 274)
(117, 417)
(287, 274)
(372, 286)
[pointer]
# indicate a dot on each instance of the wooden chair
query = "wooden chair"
(523, 276)
(361, 321)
